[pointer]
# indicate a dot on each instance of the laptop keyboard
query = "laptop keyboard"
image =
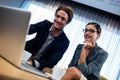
(32, 69)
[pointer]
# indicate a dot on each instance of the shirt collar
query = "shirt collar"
(57, 34)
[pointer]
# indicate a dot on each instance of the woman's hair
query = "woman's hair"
(97, 26)
(68, 10)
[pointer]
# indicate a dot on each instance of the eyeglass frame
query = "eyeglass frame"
(90, 30)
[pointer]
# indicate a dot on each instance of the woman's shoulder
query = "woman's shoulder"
(102, 51)
(79, 46)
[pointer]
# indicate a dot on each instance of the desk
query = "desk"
(10, 72)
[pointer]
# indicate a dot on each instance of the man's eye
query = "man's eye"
(63, 18)
(57, 16)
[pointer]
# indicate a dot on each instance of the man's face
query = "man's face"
(60, 20)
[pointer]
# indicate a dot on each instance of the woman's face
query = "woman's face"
(90, 33)
(60, 20)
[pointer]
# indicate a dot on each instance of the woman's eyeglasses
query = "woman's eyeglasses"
(89, 30)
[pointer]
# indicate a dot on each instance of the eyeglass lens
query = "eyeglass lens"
(89, 30)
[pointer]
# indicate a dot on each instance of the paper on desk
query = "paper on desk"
(57, 73)
(26, 55)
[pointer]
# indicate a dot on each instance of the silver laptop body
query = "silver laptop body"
(13, 30)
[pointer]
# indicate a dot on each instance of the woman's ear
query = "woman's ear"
(98, 36)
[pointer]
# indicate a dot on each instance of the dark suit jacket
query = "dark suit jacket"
(91, 68)
(54, 51)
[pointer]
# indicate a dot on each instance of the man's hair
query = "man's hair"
(68, 10)
(97, 26)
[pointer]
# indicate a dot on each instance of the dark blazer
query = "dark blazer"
(91, 68)
(54, 51)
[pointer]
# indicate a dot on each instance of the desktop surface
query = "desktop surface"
(9, 71)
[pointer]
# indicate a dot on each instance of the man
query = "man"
(88, 58)
(50, 42)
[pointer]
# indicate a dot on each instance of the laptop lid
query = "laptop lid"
(13, 29)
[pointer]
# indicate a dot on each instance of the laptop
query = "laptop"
(13, 30)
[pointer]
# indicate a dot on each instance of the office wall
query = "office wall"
(13, 3)
(112, 6)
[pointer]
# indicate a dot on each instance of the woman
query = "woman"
(88, 58)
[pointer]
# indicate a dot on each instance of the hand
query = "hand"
(85, 51)
(89, 44)
(47, 69)
(29, 61)
(87, 47)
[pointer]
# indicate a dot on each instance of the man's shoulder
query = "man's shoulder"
(45, 22)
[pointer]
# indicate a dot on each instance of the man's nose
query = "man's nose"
(59, 19)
